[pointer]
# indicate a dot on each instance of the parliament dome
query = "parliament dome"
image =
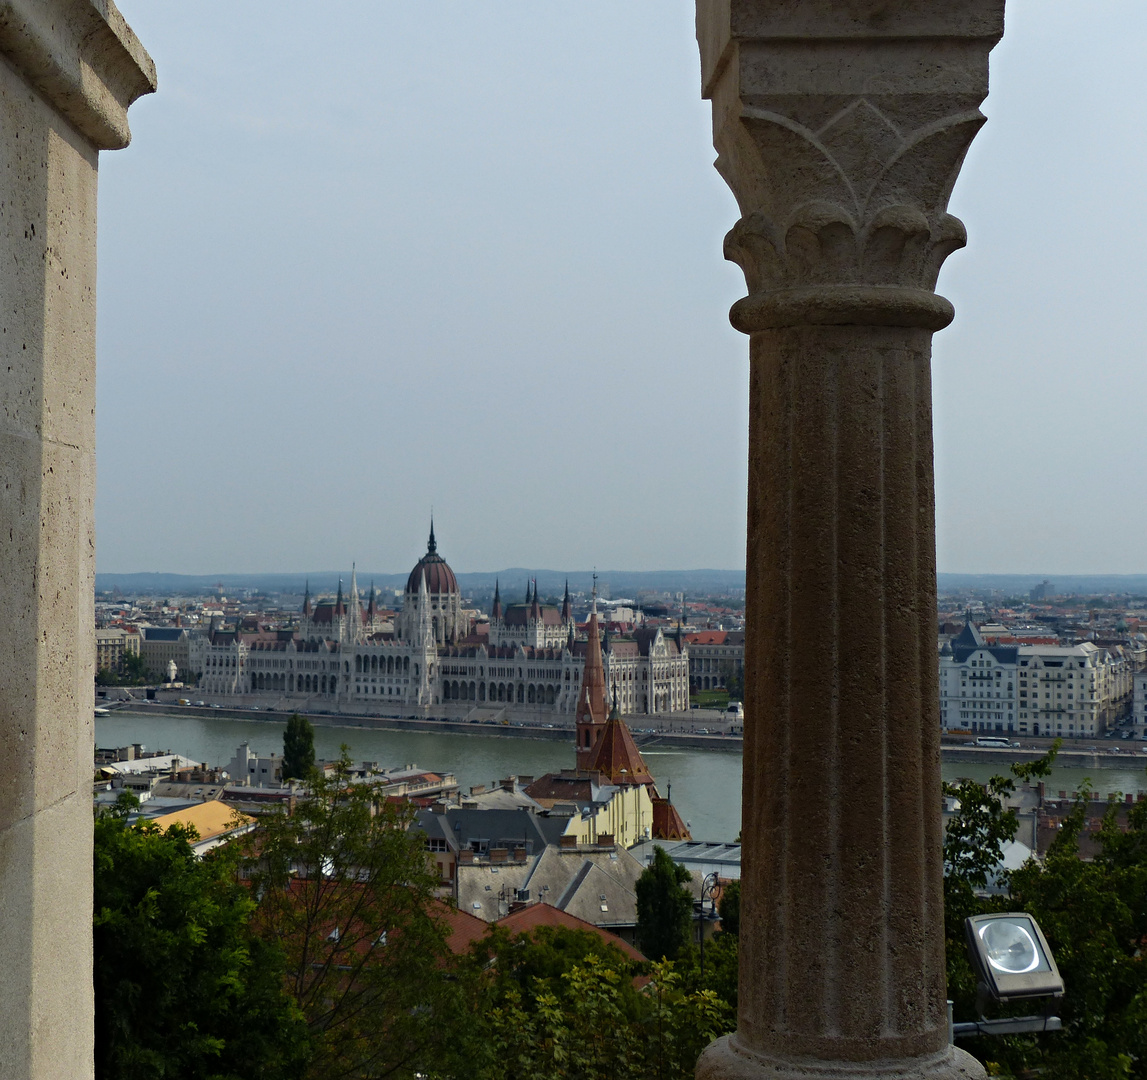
(434, 569)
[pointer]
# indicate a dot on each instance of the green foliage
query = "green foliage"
(1094, 915)
(973, 845)
(664, 908)
(344, 888)
(578, 1026)
(132, 673)
(729, 908)
(183, 988)
(298, 748)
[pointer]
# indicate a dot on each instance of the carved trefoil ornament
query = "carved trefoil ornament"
(842, 148)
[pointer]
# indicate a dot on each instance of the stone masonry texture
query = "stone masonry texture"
(69, 69)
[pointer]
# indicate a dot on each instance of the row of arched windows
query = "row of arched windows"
(531, 694)
(378, 665)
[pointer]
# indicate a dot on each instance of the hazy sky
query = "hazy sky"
(369, 258)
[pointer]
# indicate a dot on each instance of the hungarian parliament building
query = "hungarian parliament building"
(529, 660)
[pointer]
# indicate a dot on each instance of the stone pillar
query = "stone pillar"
(69, 69)
(841, 126)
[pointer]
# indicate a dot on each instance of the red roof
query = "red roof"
(538, 914)
(617, 757)
(707, 637)
(463, 928)
(667, 823)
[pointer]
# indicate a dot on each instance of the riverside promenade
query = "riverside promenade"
(674, 730)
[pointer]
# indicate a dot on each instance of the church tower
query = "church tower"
(591, 708)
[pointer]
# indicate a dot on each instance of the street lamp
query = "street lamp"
(710, 886)
(1013, 962)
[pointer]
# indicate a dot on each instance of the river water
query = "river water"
(705, 784)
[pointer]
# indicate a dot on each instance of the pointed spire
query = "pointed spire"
(355, 607)
(432, 545)
(591, 705)
(496, 610)
(535, 609)
(527, 592)
(307, 598)
(566, 612)
(339, 600)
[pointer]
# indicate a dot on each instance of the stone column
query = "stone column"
(841, 126)
(69, 69)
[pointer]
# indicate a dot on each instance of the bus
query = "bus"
(991, 740)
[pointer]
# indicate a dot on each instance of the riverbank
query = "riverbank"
(1107, 756)
(681, 740)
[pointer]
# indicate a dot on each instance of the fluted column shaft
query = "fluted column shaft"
(841, 126)
(841, 876)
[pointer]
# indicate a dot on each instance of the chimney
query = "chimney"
(521, 855)
(568, 842)
(605, 839)
(499, 854)
(438, 807)
(466, 858)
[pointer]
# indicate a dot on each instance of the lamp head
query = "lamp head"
(1012, 957)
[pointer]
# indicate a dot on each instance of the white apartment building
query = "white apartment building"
(1139, 703)
(1075, 690)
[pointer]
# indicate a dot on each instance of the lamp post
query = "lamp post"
(710, 886)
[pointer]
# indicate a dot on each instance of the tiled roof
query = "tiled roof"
(617, 757)
(538, 914)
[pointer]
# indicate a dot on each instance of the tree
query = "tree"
(1094, 915)
(589, 1023)
(729, 908)
(183, 988)
(344, 886)
(664, 908)
(298, 748)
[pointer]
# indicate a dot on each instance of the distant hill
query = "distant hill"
(1061, 584)
(513, 582)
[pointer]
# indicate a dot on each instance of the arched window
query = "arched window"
(374, 663)
(549, 695)
(473, 692)
(358, 665)
(406, 667)
(481, 691)
(334, 683)
(521, 692)
(530, 694)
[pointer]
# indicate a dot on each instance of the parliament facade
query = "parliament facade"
(345, 655)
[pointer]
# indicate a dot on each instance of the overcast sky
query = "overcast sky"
(370, 258)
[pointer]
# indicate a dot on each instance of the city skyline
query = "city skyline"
(456, 261)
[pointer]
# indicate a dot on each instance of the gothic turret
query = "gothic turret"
(567, 616)
(591, 709)
(496, 610)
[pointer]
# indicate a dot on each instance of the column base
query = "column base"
(727, 1059)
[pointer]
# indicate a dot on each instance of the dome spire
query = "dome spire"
(432, 545)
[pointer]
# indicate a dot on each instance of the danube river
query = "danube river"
(706, 784)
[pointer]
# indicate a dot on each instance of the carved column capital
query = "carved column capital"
(841, 126)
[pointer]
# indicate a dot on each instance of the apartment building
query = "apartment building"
(1066, 690)
(112, 645)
